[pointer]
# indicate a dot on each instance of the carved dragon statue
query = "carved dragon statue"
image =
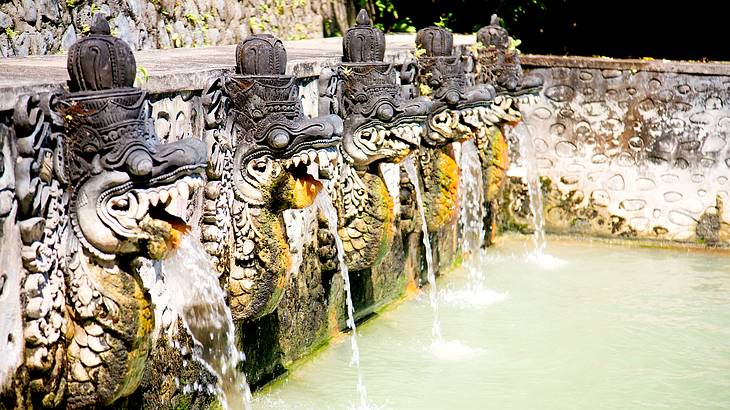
(266, 157)
(96, 192)
(498, 64)
(459, 112)
(379, 126)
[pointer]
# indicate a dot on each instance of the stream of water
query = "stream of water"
(471, 215)
(433, 291)
(528, 156)
(324, 202)
(193, 292)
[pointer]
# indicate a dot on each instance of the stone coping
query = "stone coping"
(663, 66)
(174, 70)
(179, 69)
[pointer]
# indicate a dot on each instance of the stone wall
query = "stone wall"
(34, 27)
(626, 148)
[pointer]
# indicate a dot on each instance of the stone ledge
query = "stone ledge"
(662, 66)
(174, 70)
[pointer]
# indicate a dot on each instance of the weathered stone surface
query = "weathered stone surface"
(631, 148)
(188, 21)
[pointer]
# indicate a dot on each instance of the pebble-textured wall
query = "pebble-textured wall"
(32, 27)
(625, 152)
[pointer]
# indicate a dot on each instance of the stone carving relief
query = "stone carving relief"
(97, 194)
(266, 157)
(379, 126)
(633, 153)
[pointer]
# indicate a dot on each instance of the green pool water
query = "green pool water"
(593, 326)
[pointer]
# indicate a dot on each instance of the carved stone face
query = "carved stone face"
(276, 145)
(129, 193)
(459, 110)
(379, 126)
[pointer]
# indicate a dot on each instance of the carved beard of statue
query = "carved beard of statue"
(271, 157)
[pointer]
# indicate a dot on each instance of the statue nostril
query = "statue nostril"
(140, 163)
(279, 139)
(385, 112)
(452, 97)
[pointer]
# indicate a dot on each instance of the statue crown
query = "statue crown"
(437, 41)
(100, 61)
(493, 34)
(261, 54)
(363, 42)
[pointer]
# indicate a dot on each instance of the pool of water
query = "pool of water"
(593, 326)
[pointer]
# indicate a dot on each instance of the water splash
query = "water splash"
(11, 320)
(324, 202)
(528, 156)
(433, 291)
(193, 293)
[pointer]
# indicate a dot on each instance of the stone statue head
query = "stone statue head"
(379, 124)
(129, 192)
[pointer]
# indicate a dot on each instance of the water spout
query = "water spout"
(433, 291)
(324, 202)
(528, 156)
(471, 214)
(471, 195)
(194, 294)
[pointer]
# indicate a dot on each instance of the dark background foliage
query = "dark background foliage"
(621, 28)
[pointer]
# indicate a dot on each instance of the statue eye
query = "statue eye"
(278, 138)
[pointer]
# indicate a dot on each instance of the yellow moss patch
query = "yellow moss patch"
(441, 196)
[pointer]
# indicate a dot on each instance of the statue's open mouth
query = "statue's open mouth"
(156, 215)
(396, 140)
(307, 168)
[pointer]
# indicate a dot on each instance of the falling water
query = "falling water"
(472, 199)
(471, 214)
(528, 156)
(194, 294)
(324, 202)
(433, 292)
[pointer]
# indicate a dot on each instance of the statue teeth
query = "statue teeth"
(133, 204)
(322, 158)
(154, 198)
(164, 196)
(313, 170)
(304, 158)
(295, 160)
(144, 205)
(332, 155)
(312, 156)
(184, 189)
